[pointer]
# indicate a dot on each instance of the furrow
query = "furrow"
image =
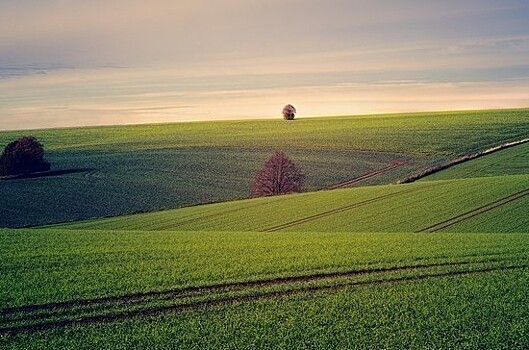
(366, 176)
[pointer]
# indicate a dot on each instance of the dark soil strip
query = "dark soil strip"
(334, 211)
(235, 299)
(460, 160)
(367, 176)
(475, 212)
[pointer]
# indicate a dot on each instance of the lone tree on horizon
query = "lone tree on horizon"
(289, 112)
(22, 157)
(279, 175)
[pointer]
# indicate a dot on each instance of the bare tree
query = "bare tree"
(279, 175)
(289, 112)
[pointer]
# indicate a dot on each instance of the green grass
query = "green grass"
(483, 304)
(126, 169)
(509, 161)
(446, 133)
(509, 218)
(117, 183)
(482, 311)
(390, 208)
(204, 277)
(40, 266)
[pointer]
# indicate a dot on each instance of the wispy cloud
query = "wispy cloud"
(130, 60)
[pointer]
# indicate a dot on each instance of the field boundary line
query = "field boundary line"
(475, 212)
(462, 159)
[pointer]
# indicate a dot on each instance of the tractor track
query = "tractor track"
(336, 211)
(208, 216)
(42, 321)
(475, 212)
(367, 176)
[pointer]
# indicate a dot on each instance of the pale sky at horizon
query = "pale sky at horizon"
(93, 62)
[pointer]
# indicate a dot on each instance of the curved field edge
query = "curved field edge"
(510, 161)
(457, 312)
(46, 266)
(463, 159)
(388, 208)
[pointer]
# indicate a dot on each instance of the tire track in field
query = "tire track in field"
(209, 216)
(491, 257)
(475, 212)
(367, 176)
(336, 210)
(42, 322)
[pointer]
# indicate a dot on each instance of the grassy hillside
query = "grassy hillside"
(62, 287)
(440, 263)
(512, 161)
(44, 266)
(471, 311)
(107, 171)
(391, 208)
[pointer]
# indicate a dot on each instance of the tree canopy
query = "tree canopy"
(23, 156)
(279, 175)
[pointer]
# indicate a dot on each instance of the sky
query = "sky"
(99, 62)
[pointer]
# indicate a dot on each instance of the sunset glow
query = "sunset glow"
(69, 63)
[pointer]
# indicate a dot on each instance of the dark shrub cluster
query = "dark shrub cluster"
(23, 156)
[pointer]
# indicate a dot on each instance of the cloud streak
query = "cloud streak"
(106, 61)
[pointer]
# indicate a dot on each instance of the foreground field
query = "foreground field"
(108, 171)
(46, 266)
(63, 287)
(481, 310)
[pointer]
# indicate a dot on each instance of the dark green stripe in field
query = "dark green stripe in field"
(108, 171)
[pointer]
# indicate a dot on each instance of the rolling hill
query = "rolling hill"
(110, 171)
(439, 263)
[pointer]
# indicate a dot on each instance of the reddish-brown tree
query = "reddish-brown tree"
(289, 112)
(279, 175)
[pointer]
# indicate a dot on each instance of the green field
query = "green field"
(128, 169)
(76, 280)
(390, 208)
(473, 311)
(439, 263)
(510, 161)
